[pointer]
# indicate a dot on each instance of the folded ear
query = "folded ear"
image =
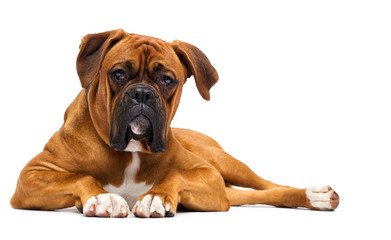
(93, 48)
(198, 65)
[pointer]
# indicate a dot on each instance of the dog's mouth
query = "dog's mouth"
(139, 127)
(148, 125)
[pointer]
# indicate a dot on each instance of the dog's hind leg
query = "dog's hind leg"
(315, 198)
(239, 174)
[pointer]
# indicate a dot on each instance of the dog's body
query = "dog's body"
(116, 147)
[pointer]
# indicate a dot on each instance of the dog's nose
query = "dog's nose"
(142, 95)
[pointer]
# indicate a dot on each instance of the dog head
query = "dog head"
(134, 84)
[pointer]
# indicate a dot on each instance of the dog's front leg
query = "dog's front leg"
(48, 190)
(200, 189)
(42, 188)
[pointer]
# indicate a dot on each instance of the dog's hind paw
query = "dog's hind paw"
(322, 198)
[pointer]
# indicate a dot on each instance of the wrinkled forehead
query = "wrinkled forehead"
(142, 51)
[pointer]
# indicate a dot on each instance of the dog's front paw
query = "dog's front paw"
(106, 205)
(154, 205)
(322, 198)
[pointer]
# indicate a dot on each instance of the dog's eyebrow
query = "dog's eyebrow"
(157, 66)
(127, 63)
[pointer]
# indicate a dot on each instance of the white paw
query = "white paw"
(106, 205)
(152, 207)
(322, 197)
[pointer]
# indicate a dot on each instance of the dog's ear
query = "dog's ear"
(93, 48)
(198, 65)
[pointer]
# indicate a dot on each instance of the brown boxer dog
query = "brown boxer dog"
(117, 149)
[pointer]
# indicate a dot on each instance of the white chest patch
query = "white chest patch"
(133, 146)
(130, 190)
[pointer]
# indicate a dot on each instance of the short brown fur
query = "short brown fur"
(193, 170)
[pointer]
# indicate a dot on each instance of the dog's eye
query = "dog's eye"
(166, 80)
(119, 75)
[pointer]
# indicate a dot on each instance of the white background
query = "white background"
(304, 99)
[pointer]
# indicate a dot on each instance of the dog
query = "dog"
(116, 148)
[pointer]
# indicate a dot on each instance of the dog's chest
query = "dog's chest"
(130, 190)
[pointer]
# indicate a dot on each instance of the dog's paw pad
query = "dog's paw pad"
(106, 205)
(322, 198)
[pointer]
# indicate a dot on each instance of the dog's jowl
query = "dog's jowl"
(116, 152)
